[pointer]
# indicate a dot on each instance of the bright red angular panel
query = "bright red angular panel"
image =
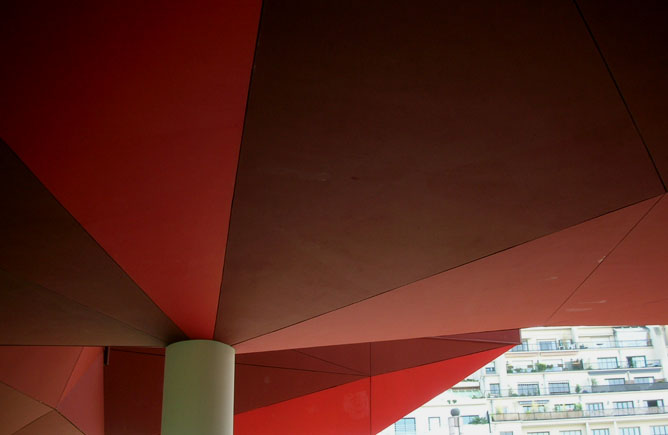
(395, 394)
(83, 402)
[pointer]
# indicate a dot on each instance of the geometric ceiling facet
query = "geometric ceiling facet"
(374, 159)
(135, 128)
(18, 410)
(630, 283)
(632, 38)
(52, 423)
(540, 274)
(44, 249)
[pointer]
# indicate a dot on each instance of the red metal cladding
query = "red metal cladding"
(135, 128)
(40, 372)
(83, 400)
(636, 267)
(539, 274)
(341, 410)
(395, 394)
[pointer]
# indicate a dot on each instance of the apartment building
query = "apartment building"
(559, 381)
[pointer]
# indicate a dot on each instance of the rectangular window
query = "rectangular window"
(597, 406)
(654, 403)
(490, 370)
(623, 408)
(538, 433)
(528, 389)
(570, 432)
(659, 430)
(615, 381)
(644, 380)
(601, 432)
(468, 419)
(559, 388)
(405, 426)
(636, 361)
(434, 423)
(629, 431)
(608, 363)
(495, 390)
(508, 432)
(547, 345)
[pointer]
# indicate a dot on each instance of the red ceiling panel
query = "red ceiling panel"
(83, 401)
(540, 274)
(633, 37)
(395, 394)
(133, 392)
(52, 423)
(17, 409)
(629, 286)
(132, 115)
(41, 372)
(340, 410)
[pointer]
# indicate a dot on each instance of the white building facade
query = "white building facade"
(559, 381)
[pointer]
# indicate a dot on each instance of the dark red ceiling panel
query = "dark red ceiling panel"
(17, 410)
(341, 410)
(61, 286)
(630, 283)
(131, 115)
(259, 386)
(301, 359)
(633, 37)
(133, 392)
(52, 423)
(540, 274)
(389, 142)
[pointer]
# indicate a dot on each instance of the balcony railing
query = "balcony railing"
(614, 412)
(587, 389)
(548, 347)
(579, 365)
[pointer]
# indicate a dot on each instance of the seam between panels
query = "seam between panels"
(619, 92)
(300, 370)
(330, 362)
(236, 174)
(449, 269)
(607, 255)
(74, 366)
(84, 306)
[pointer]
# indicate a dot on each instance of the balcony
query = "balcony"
(579, 365)
(532, 416)
(580, 345)
(587, 389)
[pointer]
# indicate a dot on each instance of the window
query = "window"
(468, 419)
(644, 380)
(547, 345)
(608, 363)
(434, 423)
(490, 370)
(601, 432)
(538, 433)
(564, 407)
(615, 381)
(559, 388)
(636, 361)
(597, 406)
(623, 408)
(659, 430)
(405, 426)
(654, 403)
(528, 389)
(629, 431)
(570, 432)
(509, 432)
(494, 390)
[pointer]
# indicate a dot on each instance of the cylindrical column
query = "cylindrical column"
(198, 396)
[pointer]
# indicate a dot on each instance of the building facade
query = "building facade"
(559, 381)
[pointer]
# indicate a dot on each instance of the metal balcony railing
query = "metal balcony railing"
(579, 365)
(614, 412)
(571, 346)
(526, 391)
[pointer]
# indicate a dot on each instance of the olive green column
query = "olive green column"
(198, 396)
